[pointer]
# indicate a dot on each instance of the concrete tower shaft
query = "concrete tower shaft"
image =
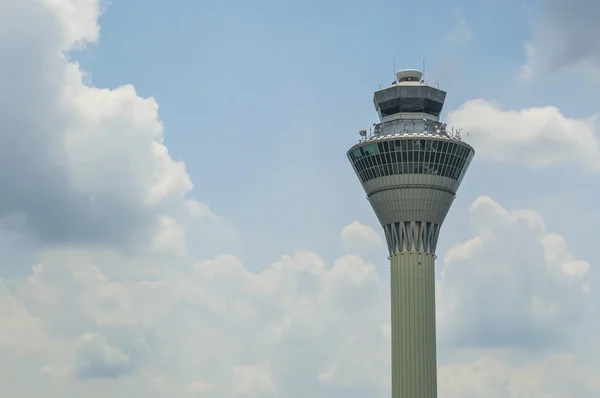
(411, 168)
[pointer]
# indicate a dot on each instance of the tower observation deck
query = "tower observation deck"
(411, 168)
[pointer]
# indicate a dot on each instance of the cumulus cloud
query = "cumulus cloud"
(513, 285)
(558, 376)
(561, 40)
(19, 329)
(358, 237)
(79, 164)
(198, 330)
(254, 381)
(198, 209)
(97, 359)
(198, 387)
(170, 237)
(536, 137)
(304, 327)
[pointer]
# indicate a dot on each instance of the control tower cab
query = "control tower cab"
(409, 98)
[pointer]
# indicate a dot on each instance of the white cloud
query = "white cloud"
(254, 381)
(558, 376)
(301, 327)
(170, 237)
(96, 358)
(485, 377)
(81, 164)
(536, 137)
(198, 387)
(561, 40)
(513, 285)
(358, 237)
(78, 19)
(198, 209)
(19, 330)
(201, 330)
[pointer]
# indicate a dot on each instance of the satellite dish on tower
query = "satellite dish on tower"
(363, 133)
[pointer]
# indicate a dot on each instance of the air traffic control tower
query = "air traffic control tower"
(410, 166)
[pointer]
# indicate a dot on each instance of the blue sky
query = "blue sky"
(261, 96)
(119, 279)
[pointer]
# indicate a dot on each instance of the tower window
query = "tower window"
(410, 105)
(396, 157)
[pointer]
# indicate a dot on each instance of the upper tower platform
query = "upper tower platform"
(408, 97)
(411, 166)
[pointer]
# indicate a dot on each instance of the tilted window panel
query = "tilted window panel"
(411, 156)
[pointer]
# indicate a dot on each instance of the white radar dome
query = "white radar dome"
(409, 75)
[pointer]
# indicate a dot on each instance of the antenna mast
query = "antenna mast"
(423, 76)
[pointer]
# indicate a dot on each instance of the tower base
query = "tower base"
(414, 369)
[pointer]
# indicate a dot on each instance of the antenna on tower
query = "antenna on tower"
(394, 70)
(423, 76)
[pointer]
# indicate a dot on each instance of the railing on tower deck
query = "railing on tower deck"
(412, 127)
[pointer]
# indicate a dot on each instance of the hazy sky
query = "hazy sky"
(178, 217)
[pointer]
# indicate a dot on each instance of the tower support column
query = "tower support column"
(414, 368)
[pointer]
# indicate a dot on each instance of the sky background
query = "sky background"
(178, 216)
